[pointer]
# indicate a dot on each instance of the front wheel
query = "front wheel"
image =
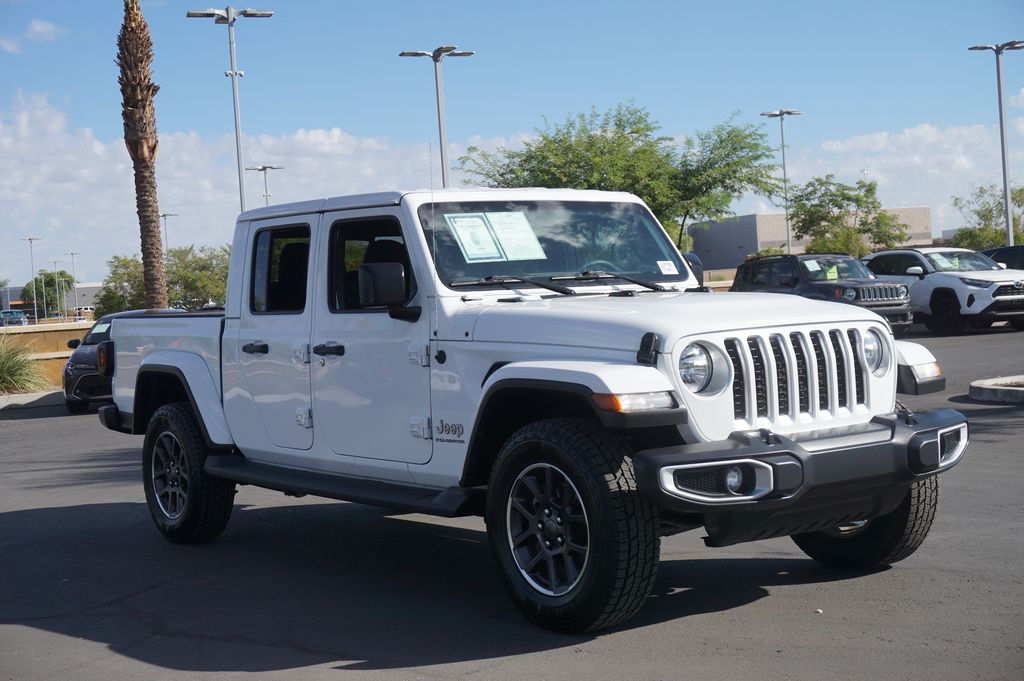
(945, 318)
(879, 541)
(576, 545)
(1018, 324)
(188, 506)
(76, 406)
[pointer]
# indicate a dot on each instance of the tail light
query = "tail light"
(105, 358)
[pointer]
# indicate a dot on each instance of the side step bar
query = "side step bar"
(449, 503)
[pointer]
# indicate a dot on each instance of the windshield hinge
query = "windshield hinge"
(420, 356)
(304, 417)
(419, 426)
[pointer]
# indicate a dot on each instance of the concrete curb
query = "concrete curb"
(997, 390)
(54, 398)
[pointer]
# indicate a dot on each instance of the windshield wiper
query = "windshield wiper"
(509, 279)
(593, 276)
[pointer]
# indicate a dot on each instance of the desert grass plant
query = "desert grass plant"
(18, 374)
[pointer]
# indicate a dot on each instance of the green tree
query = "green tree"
(195, 277)
(843, 218)
(717, 167)
(46, 288)
(619, 150)
(984, 222)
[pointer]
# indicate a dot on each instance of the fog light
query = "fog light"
(733, 479)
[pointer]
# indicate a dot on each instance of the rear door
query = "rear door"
(271, 347)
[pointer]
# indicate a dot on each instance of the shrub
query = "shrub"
(18, 374)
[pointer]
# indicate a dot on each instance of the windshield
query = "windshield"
(12, 314)
(831, 267)
(543, 239)
(960, 261)
(99, 332)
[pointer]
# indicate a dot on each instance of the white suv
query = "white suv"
(955, 287)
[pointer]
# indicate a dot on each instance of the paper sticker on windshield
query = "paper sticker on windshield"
(100, 328)
(812, 265)
(516, 236)
(667, 267)
(942, 261)
(474, 237)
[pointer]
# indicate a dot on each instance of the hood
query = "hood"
(1001, 276)
(84, 354)
(847, 283)
(618, 323)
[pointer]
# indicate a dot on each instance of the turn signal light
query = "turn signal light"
(633, 402)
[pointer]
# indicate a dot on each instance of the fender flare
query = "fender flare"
(194, 376)
(908, 356)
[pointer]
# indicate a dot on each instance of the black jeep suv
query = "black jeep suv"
(827, 276)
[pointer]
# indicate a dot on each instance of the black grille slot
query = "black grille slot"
(858, 368)
(760, 379)
(739, 384)
(704, 481)
(837, 348)
(822, 366)
(950, 441)
(1008, 290)
(801, 372)
(781, 375)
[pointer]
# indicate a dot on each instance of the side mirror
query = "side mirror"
(74, 343)
(381, 284)
(1002, 265)
(693, 260)
(916, 271)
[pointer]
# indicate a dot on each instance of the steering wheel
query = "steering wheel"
(600, 266)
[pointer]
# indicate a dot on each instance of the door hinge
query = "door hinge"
(419, 426)
(420, 356)
(304, 417)
(301, 354)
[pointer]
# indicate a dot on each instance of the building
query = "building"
(11, 299)
(725, 244)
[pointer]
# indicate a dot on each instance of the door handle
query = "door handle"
(329, 348)
(256, 348)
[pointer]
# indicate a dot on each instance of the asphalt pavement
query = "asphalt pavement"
(310, 589)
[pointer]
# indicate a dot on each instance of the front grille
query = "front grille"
(950, 441)
(804, 373)
(705, 481)
(874, 293)
(1008, 290)
(93, 385)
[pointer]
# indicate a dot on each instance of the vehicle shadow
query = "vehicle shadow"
(116, 466)
(307, 584)
(44, 408)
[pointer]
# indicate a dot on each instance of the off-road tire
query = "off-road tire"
(76, 406)
(882, 541)
(1018, 324)
(208, 500)
(623, 544)
(945, 319)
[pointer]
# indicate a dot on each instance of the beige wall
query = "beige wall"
(49, 344)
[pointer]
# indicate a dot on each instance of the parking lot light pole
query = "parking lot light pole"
(32, 263)
(263, 169)
(437, 55)
(781, 115)
(999, 49)
(74, 277)
(167, 244)
(228, 16)
(56, 286)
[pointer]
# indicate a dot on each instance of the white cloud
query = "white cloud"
(9, 46)
(42, 31)
(1017, 100)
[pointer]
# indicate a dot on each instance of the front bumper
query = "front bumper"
(86, 385)
(899, 315)
(801, 483)
(1003, 308)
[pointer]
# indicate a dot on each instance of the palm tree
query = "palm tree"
(135, 59)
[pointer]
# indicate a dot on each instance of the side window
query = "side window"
(910, 260)
(280, 266)
(884, 264)
(760, 273)
(783, 273)
(357, 242)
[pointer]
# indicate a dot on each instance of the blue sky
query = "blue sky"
(886, 86)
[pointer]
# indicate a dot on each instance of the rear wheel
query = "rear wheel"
(576, 545)
(188, 506)
(879, 541)
(945, 318)
(1018, 324)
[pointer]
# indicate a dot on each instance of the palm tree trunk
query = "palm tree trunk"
(153, 273)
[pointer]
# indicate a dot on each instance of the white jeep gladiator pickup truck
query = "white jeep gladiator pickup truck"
(547, 359)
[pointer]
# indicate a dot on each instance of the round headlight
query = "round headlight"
(695, 367)
(873, 350)
(850, 294)
(904, 291)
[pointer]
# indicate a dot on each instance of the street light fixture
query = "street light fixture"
(74, 276)
(32, 263)
(167, 244)
(263, 169)
(999, 49)
(781, 115)
(56, 287)
(437, 55)
(228, 16)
